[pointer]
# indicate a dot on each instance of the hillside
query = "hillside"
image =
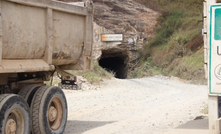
(131, 19)
(177, 49)
(160, 37)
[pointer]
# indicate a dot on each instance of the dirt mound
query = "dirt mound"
(195, 43)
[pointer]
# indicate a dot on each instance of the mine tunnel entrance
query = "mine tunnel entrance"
(114, 62)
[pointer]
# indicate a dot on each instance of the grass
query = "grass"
(166, 53)
(188, 67)
(175, 50)
(146, 69)
(169, 23)
(205, 109)
(95, 75)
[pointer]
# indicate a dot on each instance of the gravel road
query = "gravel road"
(151, 105)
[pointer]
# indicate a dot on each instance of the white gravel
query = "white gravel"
(151, 105)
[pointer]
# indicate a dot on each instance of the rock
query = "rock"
(199, 117)
(83, 84)
(181, 123)
(127, 17)
(133, 20)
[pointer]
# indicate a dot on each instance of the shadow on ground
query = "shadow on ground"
(78, 127)
(196, 124)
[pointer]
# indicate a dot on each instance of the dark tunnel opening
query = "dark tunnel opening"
(115, 64)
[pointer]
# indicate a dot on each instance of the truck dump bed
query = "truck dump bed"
(37, 35)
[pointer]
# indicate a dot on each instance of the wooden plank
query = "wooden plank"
(206, 54)
(205, 39)
(55, 5)
(206, 70)
(209, 3)
(212, 100)
(204, 9)
(206, 46)
(49, 33)
(218, 126)
(205, 25)
(213, 114)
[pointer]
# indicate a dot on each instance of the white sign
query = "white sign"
(112, 37)
(215, 51)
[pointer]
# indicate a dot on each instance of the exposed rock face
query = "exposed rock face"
(127, 17)
(133, 20)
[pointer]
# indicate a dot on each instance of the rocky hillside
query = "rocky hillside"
(177, 49)
(168, 38)
(128, 17)
(131, 19)
(137, 24)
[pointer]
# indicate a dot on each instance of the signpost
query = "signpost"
(212, 27)
(215, 51)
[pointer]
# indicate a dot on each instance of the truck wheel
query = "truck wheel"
(14, 115)
(28, 92)
(49, 111)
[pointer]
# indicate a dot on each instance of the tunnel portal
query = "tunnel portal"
(114, 62)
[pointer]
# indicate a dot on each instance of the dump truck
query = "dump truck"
(37, 38)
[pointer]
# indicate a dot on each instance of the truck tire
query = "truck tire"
(49, 111)
(28, 93)
(14, 115)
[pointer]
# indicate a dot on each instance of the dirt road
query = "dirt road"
(150, 105)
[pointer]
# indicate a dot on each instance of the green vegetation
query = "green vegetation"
(95, 75)
(177, 49)
(146, 69)
(205, 109)
(170, 23)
